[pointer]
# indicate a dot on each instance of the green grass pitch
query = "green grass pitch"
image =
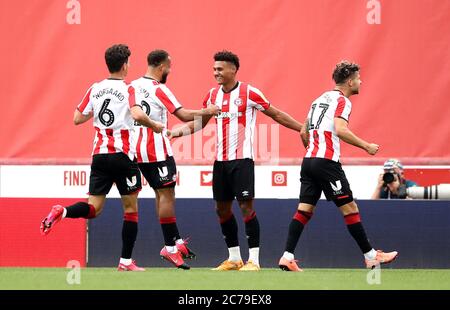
(205, 279)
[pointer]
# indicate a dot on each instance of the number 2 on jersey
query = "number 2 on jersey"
(324, 108)
(145, 108)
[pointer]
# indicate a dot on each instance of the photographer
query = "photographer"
(391, 183)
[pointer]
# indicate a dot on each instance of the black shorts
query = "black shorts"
(160, 174)
(234, 179)
(107, 169)
(320, 174)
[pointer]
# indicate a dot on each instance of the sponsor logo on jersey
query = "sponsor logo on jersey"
(229, 114)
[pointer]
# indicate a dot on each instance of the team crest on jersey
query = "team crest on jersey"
(238, 102)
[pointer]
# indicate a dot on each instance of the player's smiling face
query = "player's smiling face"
(224, 72)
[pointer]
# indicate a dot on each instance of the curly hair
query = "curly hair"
(228, 57)
(116, 56)
(156, 57)
(344, 70)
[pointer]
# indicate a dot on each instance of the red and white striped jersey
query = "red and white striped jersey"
(323, 141)
(156, 99)
(110, 101)
(235, 125)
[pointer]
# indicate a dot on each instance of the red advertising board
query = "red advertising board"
(53, 51)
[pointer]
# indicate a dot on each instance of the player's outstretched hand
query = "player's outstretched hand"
(212, 109)
(158, 127)
(170, 135)
(372, 148)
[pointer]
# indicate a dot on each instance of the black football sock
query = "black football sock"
(129, 233)
(252, 230)
(357, 231)
(80, 209)
(170, 230)
(230, 230)
(296, 226)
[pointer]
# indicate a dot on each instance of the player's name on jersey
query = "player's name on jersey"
(109, 91)
(143, 91)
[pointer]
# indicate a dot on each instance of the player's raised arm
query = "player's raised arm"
(345, 134)
(79, 118)
(199, 121)
(84, 110)
(283, 118)
(190, 127)
(304, 133)
(187, 115)
(139, 115)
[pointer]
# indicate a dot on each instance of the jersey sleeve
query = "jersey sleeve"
(343, 109)
(257, 99)
(167, 99)
(85, 106)
(132, 97)
(207, 99)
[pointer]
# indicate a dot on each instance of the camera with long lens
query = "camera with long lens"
(440, 191)
(388, 177)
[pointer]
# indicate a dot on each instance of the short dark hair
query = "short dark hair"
(228, 57)
(156, 57)
(344, 70)
(116, 56)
